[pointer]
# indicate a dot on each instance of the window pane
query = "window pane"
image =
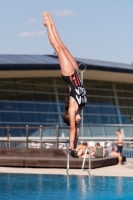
(128, 131)
(34, 132)
(45, 98)
(130, 111)
(130, 102)
(10, 117)
(121, 94)
(29, 117)
(8, 95)
(85, 119)
(122, 102)
(128, 86)
(110, 131)
(60, 82)
(105, 93)
(89, 84)
(92, 109)
(109, 110)
(25, 96)
(47, 107)
(97, 131)
(119, 86)
(123, 111)
(108, 119)
(91, 92)
(86, 132)
(62, 98)
(106, 101)
(103, 85)
(30, 106)
(41, 81)
(49, 133)
(95, 120)
(64, 90)
(129, 94)
(92, 101)
(9, 106)
(49, 118)
(5, 84)
(16, 132)
(43, 88)
(1, 130)
(127, 120)
(24, 85)
(62, 108)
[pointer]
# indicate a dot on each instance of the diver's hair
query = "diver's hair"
(65, 116)
(66, 119)
(66, 103)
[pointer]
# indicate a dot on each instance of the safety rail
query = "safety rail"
(89, 150)
(42, 141)
(28, 141)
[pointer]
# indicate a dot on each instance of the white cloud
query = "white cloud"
(40, 33)
(61, 13)
(32, 34)
(32, 21)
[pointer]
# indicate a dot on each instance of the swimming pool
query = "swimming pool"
(56, 187)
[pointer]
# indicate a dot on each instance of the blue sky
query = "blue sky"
(95, 29)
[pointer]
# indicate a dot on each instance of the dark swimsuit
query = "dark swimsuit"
(119, 149)
(78, 91)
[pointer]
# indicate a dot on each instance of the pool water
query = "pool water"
(56, 187)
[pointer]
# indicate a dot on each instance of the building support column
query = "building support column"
(118, 110)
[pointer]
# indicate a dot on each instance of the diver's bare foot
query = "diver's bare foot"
(46, 21)
(50, 18)
(70, 148)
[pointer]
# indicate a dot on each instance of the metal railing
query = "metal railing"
(55, 141)
(28, 141)
(128, 149)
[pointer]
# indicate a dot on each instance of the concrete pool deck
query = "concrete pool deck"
(115, 170)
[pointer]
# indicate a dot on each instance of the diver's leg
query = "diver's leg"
(65, 63)
(74, 63)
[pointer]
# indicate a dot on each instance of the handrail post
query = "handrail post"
(41, 145)
(89, 164)
(68, 157)
(89, 167)
(27, 128)
(8, 137)
(57, 136)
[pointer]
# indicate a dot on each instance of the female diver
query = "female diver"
(70, 74)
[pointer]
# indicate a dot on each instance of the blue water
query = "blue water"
(56, 187)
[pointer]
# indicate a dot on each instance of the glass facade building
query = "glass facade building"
(40, 101)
